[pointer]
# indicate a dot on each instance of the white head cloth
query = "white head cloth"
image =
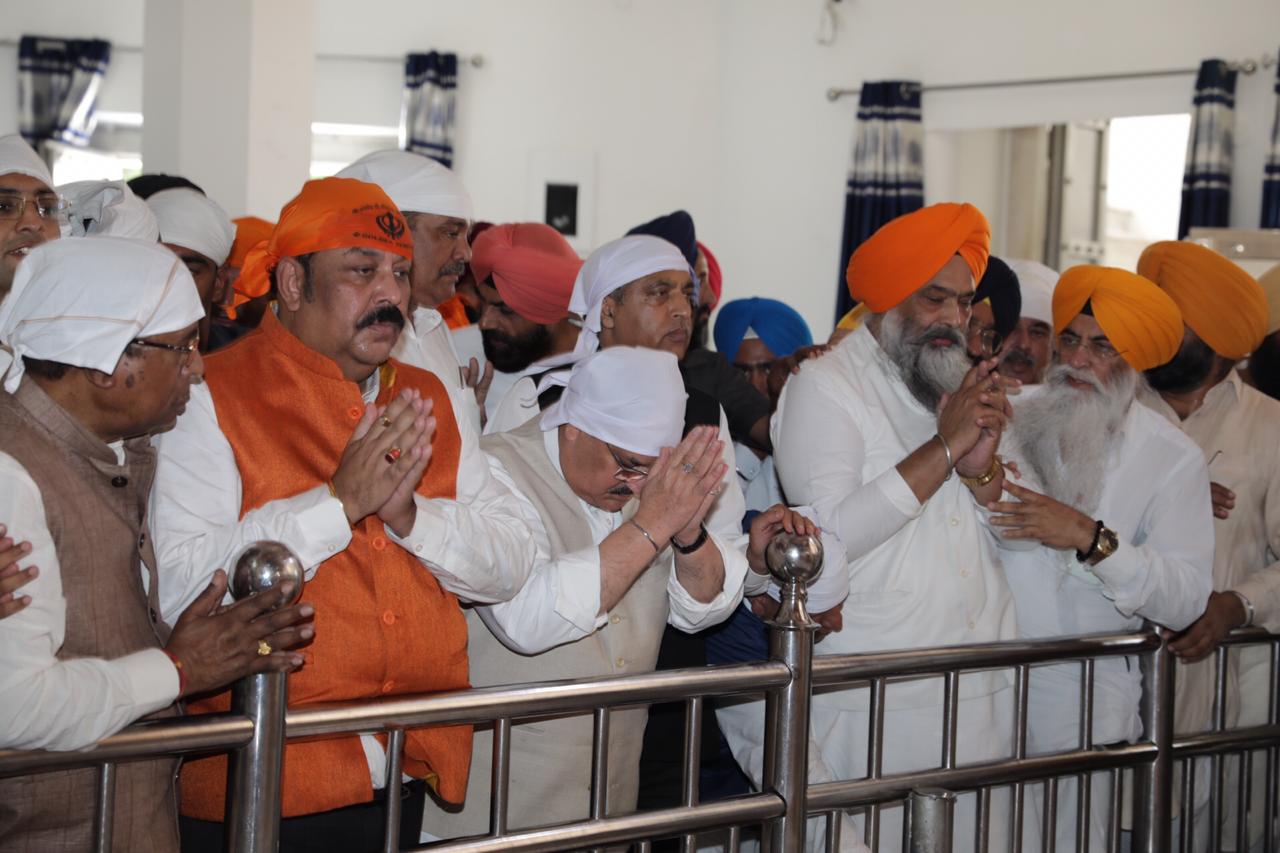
(415, 182)
(193, 221)
(17, 157)
(631, 397)
(81, 302)
(611, 266)
(1036, 281)
(109, 209)
(832, 584)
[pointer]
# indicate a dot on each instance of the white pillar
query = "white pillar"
(227, 97)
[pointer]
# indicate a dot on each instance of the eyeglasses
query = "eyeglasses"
(626, 473)
(989, 340)
(49, 205)
(185, 351)
(1099, 348)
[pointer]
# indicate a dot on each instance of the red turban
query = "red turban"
(532, 265)
(907, 252)
(331, 213)
(1138, 318)
(1221, 303)
(715, 279)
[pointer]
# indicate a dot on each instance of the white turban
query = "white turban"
(17, 157)
(81, 302)
(630, 397)
(193, 221)
(1036, 282)
(611, 266)
(415, 182)
(832, 584)
(109, 209)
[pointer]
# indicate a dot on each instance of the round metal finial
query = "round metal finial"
(262, 565)
(791, 557)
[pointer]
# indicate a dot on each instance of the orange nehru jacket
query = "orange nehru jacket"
(384, 626)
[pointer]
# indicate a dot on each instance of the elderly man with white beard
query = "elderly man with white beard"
(1112, 524)
(891, 438)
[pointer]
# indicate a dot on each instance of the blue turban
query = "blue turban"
(781, 328)
(677, 229)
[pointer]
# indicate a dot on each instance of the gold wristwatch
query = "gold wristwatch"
(979, 482)
(1105, 543)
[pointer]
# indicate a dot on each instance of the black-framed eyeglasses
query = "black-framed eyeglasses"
(14, 204)
(626, 473)
(185, 351)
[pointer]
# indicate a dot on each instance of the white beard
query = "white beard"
(928, 371)
(1066, 434)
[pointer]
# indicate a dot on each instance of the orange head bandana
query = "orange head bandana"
(1139, 319)
(532, 266)
(331, 213)
(904, 254)
(1221, 303)
(250, 231)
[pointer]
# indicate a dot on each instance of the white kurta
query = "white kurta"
(921, 575)
(46, 703)
(757, 477)
(427, 343)
(1156, 498)
(478, 545)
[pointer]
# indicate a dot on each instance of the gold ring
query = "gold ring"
(392, 455)
(385, 421)
(264, 648)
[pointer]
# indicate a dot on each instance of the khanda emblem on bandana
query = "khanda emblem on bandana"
(391, 224)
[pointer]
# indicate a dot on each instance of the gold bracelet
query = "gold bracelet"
(992, 472)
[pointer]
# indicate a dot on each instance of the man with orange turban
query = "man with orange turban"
(891, 437)
(307, 432)
(1110, 523)
(1238, 431)
(1263, 371)
(524, 274)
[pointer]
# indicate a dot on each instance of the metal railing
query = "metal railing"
(254, 734)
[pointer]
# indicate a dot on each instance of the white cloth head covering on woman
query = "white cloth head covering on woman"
(415, 182)
(17, 157)
(630, 397)
(81, 302)
(109, 209)
(193, 221)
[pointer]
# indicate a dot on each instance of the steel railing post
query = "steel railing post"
(932, 819)
(1153, 788)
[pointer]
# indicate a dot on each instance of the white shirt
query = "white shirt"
(512, 400)
(46, 703)
(561, 601)
(757, 477)
(426, 343)
(921, 575)
(1156, 498)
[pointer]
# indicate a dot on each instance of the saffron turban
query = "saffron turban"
(999, 287)
(250, 231)
(715, 279)
(81, 302)
(415, 182)
(331, 213)
(108, 209)
(1220, 302)
(905, 253)
(19, 158)
(193, 221)
(1035, 282)
(677, 229)
(781, 328)
(1270, 282)
(532, 265)
(1138, 318)
(630, 397)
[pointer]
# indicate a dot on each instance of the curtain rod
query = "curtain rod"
(1247, 66)
(475, 60)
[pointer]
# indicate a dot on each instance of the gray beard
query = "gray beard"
(1065, 435)
(928, 371)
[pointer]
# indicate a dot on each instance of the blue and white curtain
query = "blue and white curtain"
(1206, 181)
(886, 178)
(58, 83)
(430, 97)
(1271, 177)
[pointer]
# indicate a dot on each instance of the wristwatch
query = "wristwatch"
(1105, 543)
(993, 470)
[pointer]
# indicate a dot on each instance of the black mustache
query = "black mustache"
(385, 314)
(621, 491)
(1017, 356)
